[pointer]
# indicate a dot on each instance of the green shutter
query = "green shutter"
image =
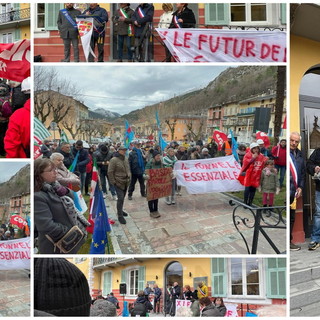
(217, 14)
(51, 15)
(283, 13)
(107, 284)
(123, 276)
(141, 278)
(17, 35)
(276, 278)
(218, 277)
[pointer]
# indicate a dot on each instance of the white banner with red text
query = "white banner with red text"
(214, 45)
(85, 28)
(15, 254)
(209, 175)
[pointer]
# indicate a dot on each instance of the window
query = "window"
(40, 16)
(7, 37)
(248, 12)
(107, 283)
(79, 260)
(245, 277)
(133, 282)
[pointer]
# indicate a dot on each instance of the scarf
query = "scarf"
(140, 158)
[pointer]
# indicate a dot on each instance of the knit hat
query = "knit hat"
(60, 288)
(205, 150)
(253, 145)
(155, 153)
(103, 308)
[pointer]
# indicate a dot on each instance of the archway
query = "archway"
(173, 273)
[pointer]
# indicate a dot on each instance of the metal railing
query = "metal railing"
(15, 15)
(259, 219)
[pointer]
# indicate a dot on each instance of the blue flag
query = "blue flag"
(158, 120)
(101, 224)
(162, 143)
(74, 163)
(234, 146)
(129, 135)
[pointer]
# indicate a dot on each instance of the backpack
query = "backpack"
(140, 309)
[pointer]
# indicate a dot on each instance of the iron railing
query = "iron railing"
(259, 219)
(15, 15)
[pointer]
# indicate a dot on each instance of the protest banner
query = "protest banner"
(15, 254)
(219, 137)
(214, 45)
(231, 310)
(85, 27)
(18, 221)
(15, 60)
(183, 303)
(160, 183)
(209, 175)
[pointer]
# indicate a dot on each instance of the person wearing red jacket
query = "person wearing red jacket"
(279, 154)
(250, 174)
(17, 138)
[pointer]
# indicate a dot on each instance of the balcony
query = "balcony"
(101, 263)
(10, 19)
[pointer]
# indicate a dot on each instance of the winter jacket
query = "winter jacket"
(148, 11)
(83, 159)
(121, 27)
(279, 155)
(102, 157)
(210, 311)
(301, 170)
(154, 165)
(187, 15)
(141, 307)
(17, 138)
(68, 158)
(195, 308)
(313, 162)
(100, 16)
(157, 294)
(222, 310)
(204, 289)
(119, 171)
(66, 29)
(169, 161)
(89, 165)
(19, 98)
(182, 155)
(269, 183)
(213, 149)
(46, 151)
(205, 156)
(134, 162)
(175, 292)
(187, 295)
(65, 177)
(252, 169)
(51, 218)
(165, 20)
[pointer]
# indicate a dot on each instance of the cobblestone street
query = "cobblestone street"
(15, 293)
(196, 224)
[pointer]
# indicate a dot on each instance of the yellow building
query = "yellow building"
(14, 22)
(305, 99)
(242, 281)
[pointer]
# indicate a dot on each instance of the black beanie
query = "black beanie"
(60, 288)
(155, 153)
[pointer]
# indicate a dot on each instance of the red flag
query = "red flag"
(15, 60)
(284, 126)
(219, 137)
(264, 137)
(18, 221)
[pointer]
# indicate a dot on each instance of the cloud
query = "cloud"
(8, 169)
(123, 88)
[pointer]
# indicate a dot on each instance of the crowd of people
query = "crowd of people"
(15, 118)
(121, 169)
(132, 27)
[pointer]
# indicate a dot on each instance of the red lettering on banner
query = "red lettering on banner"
(249, 47)
(178, 303)
(187, 37)
(285, 55)
(275, 51)
(184, 167)
(175, 40)
(186, 176)
(239, 54)
(197, 59)
(202, 39)
(214, 49)
(14, 255)
(265, 51)
(163, 35)
(226, 39)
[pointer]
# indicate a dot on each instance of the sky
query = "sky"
(9, 169)
(126, 88)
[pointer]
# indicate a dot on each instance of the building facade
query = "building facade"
(264, 16)
(247, 282)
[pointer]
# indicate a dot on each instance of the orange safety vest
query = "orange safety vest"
(227, 149)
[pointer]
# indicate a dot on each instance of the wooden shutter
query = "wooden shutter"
(276, 278)
(218, 277)
(217, 14)
(51, 15)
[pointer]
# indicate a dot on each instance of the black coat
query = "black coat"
(66, 29)
(148, 10)
(134, 163)
(83, 159)
(313, 162)
(187, 15)
(301, 172)
(103, 157)
(68, 158)
(175, 292)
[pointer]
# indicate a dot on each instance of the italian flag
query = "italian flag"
(94, 183)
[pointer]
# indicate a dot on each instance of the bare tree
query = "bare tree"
(74, 129)
(89, 128)
(195, 134)
(172, 126)
(281, 81)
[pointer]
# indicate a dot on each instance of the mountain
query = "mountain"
(233, 84)
(17, 184)
(101, 113)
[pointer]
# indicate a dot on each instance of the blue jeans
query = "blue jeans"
(282, 170)
(121, 40)
(316, 220)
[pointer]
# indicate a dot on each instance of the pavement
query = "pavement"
(196, 224)
(14, 293)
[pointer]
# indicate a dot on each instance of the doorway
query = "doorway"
(173, 273)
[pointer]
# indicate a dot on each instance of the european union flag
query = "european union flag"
(101, 224)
